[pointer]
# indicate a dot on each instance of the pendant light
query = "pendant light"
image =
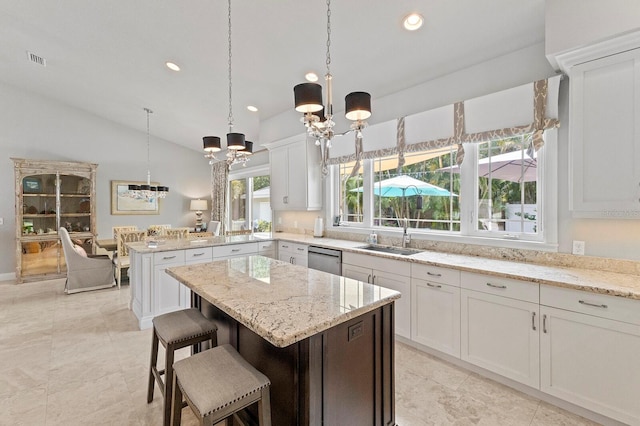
(238, 149)
(148, 192)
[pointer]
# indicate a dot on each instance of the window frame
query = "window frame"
(247, 173)
(546, 240)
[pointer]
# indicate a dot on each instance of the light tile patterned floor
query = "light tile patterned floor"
(81, 360)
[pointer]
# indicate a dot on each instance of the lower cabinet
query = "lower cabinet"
(590, 353)
(294, 253)
(499, 326)
(268, 249)
(169, 294)
(435, 308)
(393, 274)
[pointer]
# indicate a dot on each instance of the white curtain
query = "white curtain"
(219, 185)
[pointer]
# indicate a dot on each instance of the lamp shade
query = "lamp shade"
(308, 97)
(248, 147)
(235, 141)
(357, 106)
(211, 143)
(320, 115)
(198, 205)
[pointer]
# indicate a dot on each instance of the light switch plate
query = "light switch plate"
(1, 221)
(578, 247)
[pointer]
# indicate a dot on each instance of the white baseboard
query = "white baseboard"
(9, 276)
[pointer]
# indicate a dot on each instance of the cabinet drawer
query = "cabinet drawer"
(600, 305)
(266, 246)
(436, 274)
(294, 248)
(174, 256)
(514, 289)
(198, 254)
(235, 250)
(399, 267)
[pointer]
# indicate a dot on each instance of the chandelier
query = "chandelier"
(238, 150)
(318, 118)
(148, 192)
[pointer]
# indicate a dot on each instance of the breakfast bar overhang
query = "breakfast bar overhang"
(326, 342)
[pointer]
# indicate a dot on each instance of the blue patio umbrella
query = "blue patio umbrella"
(405, 186)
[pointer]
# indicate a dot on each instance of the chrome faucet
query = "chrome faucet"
(406, 238)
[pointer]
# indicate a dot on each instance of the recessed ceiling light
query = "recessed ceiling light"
(172, 66)
(311, 76)
(252, 108)
(412, 21)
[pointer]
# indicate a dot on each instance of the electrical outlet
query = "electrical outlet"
(1, 221)
(578, 247)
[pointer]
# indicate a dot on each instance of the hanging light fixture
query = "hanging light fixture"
(238, 149)
(318, 117)
(148, 192)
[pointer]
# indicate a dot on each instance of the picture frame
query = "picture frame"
(123, 204)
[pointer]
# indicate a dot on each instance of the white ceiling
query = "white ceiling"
(107, 56)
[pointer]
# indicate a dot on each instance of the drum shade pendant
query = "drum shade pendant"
(308, 100)
(148, 192)
(238, 150)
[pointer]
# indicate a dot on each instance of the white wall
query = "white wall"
(570, 24)
(35, 127)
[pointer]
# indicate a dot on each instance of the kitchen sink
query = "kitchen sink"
(390, 249)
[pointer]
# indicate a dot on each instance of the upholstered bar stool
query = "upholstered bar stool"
(175, 330)
(218, 383)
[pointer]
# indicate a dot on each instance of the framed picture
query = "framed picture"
(124, 202)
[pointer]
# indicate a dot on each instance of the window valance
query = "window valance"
(530, 108)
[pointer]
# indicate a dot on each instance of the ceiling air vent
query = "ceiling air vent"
(37, 59)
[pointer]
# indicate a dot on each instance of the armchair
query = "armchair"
(83, 272)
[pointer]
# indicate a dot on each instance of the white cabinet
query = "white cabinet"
(296, 180)
(294, 253)
(435, 308)
(169, 294)
(604, 135)
(268, 249)
(229, 251)
(499, 326)
(589, 351)
(393, 274)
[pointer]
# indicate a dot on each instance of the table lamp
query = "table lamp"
(198, 206)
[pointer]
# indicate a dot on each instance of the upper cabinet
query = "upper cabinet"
(50, 195)
(604, 127)
(296, 180)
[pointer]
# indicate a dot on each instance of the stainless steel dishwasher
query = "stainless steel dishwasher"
(326, 260)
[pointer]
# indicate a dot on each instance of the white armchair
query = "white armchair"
(83, 272)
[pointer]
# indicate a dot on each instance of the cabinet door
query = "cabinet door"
(604, 134)
(169, 294)
(435, 316)
(591, 362)
(279, 160)
(501, 335)
(356, 272)
(403, 305)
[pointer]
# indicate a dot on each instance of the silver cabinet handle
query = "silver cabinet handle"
(198, 254)
(293, 260)
(369, 278)
(434, 285)
(300, 249)
(373, 279)
(283, 246)
(235, 250)
(533, 321)
(433, 274)
(544, 323)
(496, 286)
(168, 257)
(592, 304)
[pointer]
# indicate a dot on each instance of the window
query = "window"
(496, 193)
(249, 208)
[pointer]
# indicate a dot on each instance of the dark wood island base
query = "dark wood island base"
(341, 376)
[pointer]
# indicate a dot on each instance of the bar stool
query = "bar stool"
(218, 383)
(175, 330)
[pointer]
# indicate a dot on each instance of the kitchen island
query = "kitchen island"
(325, 342)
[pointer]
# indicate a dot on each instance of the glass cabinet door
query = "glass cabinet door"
(42, 257)
(39, 205)
(75, 203)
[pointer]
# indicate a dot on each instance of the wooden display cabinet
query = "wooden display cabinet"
(51, 194)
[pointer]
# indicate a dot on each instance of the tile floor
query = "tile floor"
(81, 360)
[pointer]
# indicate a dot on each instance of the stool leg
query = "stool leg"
(168, 383)
(152, 363)
(264, 408)
(176, 404)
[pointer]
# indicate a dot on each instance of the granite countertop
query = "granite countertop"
(280, 302)
(592, 280)
(181, 244)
